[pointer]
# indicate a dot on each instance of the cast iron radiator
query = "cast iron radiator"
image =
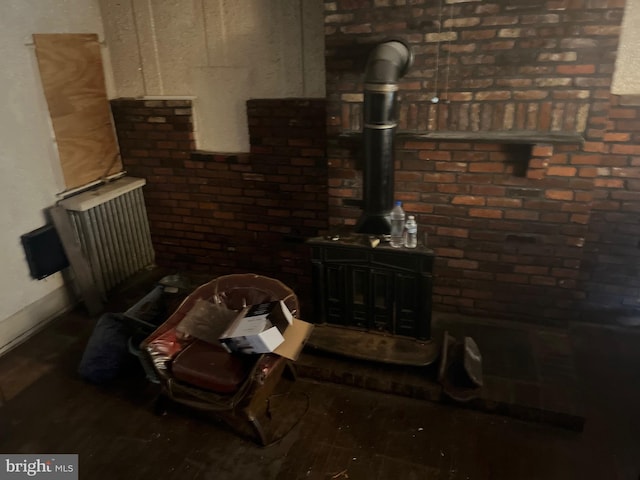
(112, 228)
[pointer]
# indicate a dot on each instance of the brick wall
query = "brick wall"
(542, 232)
(539, 232)
(611, 263)
(225, 213)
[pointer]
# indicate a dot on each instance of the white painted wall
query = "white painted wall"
(30, 175)
(223, 52)
(626, 77)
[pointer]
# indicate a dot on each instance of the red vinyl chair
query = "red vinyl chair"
(236, 388)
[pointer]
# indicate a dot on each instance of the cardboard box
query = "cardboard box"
(266, 328)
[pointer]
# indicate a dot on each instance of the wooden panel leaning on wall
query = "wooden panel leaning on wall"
(72, 76)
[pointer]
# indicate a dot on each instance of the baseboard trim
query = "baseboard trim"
(22, 325)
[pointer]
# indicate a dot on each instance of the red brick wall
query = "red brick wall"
(611, 262)
(225, 213)
(539, 237)
(544, 233)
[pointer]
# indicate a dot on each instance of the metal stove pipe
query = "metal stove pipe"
(387, 63)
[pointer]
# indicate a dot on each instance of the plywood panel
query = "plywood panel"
(73, 80)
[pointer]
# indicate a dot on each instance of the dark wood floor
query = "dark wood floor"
(346, 433)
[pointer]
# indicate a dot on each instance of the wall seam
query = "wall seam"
(154, 37)
(303, 72)
(135, 24)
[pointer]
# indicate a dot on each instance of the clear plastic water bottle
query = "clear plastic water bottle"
(411, 232)
(397, 225)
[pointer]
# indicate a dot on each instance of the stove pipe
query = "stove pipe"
(387, 63)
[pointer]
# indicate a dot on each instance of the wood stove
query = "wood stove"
(373, 302)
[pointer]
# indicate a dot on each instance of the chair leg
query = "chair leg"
(260, 433)
(160, 405)
(291, 372)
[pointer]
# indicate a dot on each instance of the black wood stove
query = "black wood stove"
(372, 302)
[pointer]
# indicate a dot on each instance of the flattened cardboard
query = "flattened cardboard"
(295, 338)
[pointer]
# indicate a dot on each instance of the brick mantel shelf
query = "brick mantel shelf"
(541, 143)
(508, 137)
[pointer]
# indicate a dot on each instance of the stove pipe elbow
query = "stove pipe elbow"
(387, 63)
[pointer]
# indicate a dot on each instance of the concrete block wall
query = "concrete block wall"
(243, 48)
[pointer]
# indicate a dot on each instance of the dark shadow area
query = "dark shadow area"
(346, 431)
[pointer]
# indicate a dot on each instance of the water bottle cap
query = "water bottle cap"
(398, 202)
(411, 217)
